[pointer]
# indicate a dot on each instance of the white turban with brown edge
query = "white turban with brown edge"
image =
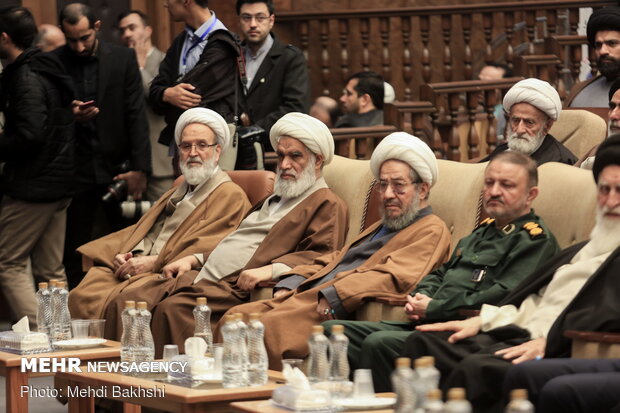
(407, 148)
(537, 93)
(310, 131)
(207, 117)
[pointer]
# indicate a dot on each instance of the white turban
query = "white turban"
(310, 131)
(537, 93)
(409, 149)
(207, 117)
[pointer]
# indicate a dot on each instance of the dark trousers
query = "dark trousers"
(469, 363)
(88, 218)
(568, 385)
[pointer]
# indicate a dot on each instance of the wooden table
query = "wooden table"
(265, 406)
(10, 367)
(212, 398)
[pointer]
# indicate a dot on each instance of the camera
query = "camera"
(117, 190)
(133, 210)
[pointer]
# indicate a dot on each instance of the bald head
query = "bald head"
(49, 38)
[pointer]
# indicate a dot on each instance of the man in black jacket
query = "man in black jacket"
(37, 148)
(111, 129)
(277, 74)
(200, 68)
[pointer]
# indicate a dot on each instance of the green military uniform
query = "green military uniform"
(483, 269)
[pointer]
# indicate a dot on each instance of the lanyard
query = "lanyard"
(197, 42)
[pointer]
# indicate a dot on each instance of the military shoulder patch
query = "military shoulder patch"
(533, 229)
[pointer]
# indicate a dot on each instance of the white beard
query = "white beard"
(613, 127)
(195, 175)
(286, 188)
(525, 146)
(605, 235)
(403, 220)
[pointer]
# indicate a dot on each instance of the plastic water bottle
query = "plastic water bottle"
(318, 363)
(44, 310)
(339, 343)
(433, 402)
(232, 362)
(519, 402)
(52, 285)
(144, 347)
(243, 347)
(257, 353)
(61, 319)
(128, 318)
(427, 378)
(202, 320)
(403, 379)
(457, 403)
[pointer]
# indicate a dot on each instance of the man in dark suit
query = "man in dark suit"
(277, 74)
(111, 129)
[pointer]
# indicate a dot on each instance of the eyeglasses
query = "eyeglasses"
(398, 187)
(247, 18)
(200, 146)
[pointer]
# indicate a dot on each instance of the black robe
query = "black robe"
(551, 150)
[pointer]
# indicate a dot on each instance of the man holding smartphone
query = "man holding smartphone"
(111, 129)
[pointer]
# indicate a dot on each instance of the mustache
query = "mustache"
(194, 159)
(495, 198)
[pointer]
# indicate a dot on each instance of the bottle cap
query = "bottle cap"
(254, 316)
(239, 316)
(230, 318)
(141, 305)
(201, 301)
(456, 393)
(130, 304)
(53, 283)
(317, 329)
(430, 360)
(402, 362)
(518, 394)
(433, 394)
(337, 329)
(60, 284)
(421, 362)
(42, 286)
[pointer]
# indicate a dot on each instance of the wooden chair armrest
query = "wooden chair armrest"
(468, 313)
(263, 291)
(388, 301)
(595, 336)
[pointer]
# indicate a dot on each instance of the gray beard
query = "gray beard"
(292, 189)
(195, 175)
(605, 236)
(526, 147)
(403, 220)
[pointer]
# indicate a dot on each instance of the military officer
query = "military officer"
(484, 267)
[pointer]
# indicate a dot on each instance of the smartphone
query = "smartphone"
(87, 105)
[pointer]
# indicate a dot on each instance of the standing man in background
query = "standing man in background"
(277, 74)
(111, 131)
(200, 68)
(135, 32)
(36, 142)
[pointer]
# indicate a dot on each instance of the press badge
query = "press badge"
(478, 275)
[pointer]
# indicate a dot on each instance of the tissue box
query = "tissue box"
(302, 400)
(24, 343)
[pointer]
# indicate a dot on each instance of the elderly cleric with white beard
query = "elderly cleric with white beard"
(191, 218)
(302, 220)
(531, 107)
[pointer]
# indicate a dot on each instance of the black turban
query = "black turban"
(607, 18)
(608, 153)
